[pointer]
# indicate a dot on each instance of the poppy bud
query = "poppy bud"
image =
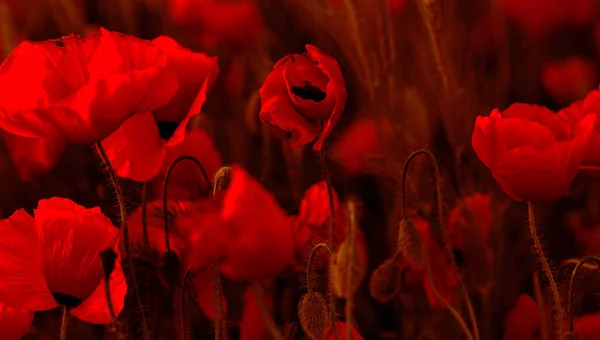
(314, 315)
(410, 243)
(222, 178)
(108, 257)
(385, 281)
(338, 270)
(169, 268)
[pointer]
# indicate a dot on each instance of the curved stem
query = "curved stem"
(311, 257)
(145, 212)
(258, 293)
(125, 231)
(442, 221)
(182, 316)
(352, 240)
(166, 187)
(64, 324)
(572, 284)
(537, 246)
(539, 299)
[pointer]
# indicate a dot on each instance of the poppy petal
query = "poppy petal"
(14, 323)
(204, 288)
(22, 285)
(71, 238)
(252, 323)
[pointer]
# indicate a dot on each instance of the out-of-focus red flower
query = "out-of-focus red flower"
(301, 93)
(137, 150)
(252, 324)
(14, 323)
(54, 260)
(538, 17)
(587, 326)
(523, 320)
(531, 152)
(204, 290)
(32, 156)
(81, 89)
(396, 7)
(341, 328)
(187, 181)
(569, 79)
(218, 22)
(358, 142)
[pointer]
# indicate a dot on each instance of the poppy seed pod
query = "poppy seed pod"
(385, 281)
(338, 270)
(314, 315)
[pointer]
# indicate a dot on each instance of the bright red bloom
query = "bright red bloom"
(300, 93)
(187, 181)
(569, 79)
(252, 324)
(217, 22)
(523, 321)
(81, 89)
(137, 150)
(531, 152)
(14, 323)
(32, 157)
(54, 260)
(341, 328)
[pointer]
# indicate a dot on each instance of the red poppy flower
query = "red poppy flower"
(531, 152)
(252, 324)
(569, 79)
(137, 150)
(187, 181)
(341, 328)
(54, 260)
(522, 322)
(217, 22)
(32, 156)
(81, 89)
(300, 93)
(204, 290)
(14, 323)
(587, 326)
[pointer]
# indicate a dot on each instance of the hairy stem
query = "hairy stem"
(109, 304)
(572, 284)
(166, 187)
(64, 323)
(258, 293)
(442, 220)
(539, 299)
(539, 252)
(352, 240)
(125, 232)
(145, 212)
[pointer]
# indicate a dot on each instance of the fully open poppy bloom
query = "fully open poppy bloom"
(32, 157)
(569, 79)
(531, 152)
(522, 322)
(137, 150)
(301, 93)
(54, 260)
(341, 328)
(14, 323)
(81, 89)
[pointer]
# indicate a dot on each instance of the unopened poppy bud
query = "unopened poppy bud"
(169, 267)
(222, 178)
(338, 270)
(314, 315)
(108, 257)
(385, 281)
(410, 244)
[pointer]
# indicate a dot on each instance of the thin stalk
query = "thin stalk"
(352, 240)
(145, 213)
(258, 293)
(572, 284)
(64, 324)
(329, 194)
(182, 316)
(442, 221)
(310, 286)
(109, 304)
(125, 232)
(218, 289)
(539, 299)
(166, 187)
(539, 252)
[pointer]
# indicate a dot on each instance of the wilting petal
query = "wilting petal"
(136, 150)
(22, 285)
(33, 156)
(14, 323)
(94, 309)
(71, 239)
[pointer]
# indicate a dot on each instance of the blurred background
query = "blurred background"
(416, 75)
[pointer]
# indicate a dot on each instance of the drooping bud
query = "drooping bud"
(385, 281)
(314, 315)
(340, 272)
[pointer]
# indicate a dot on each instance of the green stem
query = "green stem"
(539, 252)
(125, 232)
(572, 284)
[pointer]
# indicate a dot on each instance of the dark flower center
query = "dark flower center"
(309, 92)
(67, 300)
(166, 129)
(58, 42)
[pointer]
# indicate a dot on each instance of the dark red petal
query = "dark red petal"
(71, 238)
(23, 285)
(281, 116)
(541, 115)
(94, 309)
(136, 150)
(252, 324)
(204, 289)
(519, 323)
(33, 157)
(341, 328)
(336, 87)
(314, 207)
(358, 142)
(14, 323)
